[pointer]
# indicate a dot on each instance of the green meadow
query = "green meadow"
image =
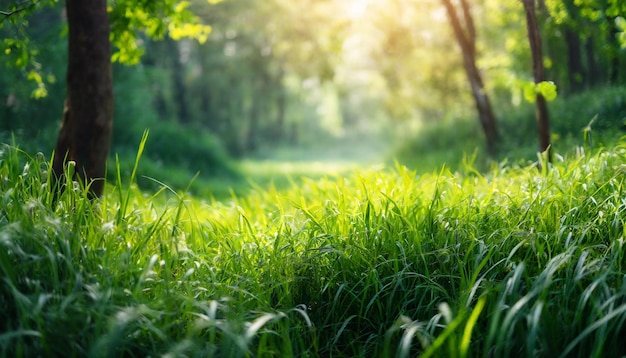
(518, 260)
(337, 178)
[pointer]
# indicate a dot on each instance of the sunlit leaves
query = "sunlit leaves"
(18, 50)
(621, 35)
(129, 19)
(591, 13)
(40, 91)
(595, 9)
(155, 19)
(195, 31)
(557, 10)
(128, 47)
(547, 89)
(21, 56)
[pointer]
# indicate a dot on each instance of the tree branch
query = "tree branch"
(13, 12)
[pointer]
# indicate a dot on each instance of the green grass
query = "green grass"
(512, 262)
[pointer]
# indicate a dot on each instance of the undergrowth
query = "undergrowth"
(514, 262)
(598, 116)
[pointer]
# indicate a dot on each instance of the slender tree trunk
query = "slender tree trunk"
(613, 52)
(592, 76)
(485, 111)
(281, 109)
(85, 132)
(253, 134)
(534, 38)
(232, 121)
(574, 61)
(466, 37)
(180, 93)
(206, 108)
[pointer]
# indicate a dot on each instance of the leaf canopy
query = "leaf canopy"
(129, 21)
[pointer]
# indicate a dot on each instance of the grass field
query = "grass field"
(517, 261)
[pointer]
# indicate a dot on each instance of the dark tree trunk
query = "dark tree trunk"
(465, 34)
(252, 136)
(206, 108)
(234, 104)
(575, 68)
(180, 95)
(613, 52)
(593, 76)
(279, 131)
(281, 110)
(85, 132)
(534, 38)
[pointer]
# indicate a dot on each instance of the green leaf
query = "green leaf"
(547, 89)
(39, 92)
(530, 93)
(621, 34)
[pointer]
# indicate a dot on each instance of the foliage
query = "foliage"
(442, 143)
(276, 73)
(371, 264)
(450, 140)
(545, 88)
(129, 20)
(24, 107)
(188, 150)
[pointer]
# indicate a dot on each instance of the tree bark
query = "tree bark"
(252, 135)
(593, 74)
(281, 109)
(534, 38)
(180, 91)
(575, 68)
(466, 37)
(85, 133)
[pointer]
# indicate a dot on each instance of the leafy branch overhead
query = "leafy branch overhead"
(15, 9)
(156, 19)
(129, 20)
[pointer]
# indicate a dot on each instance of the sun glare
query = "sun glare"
(357, 8)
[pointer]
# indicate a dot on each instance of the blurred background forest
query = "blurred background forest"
(359, 81)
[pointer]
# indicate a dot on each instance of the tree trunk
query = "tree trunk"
(483, 105)
(206, 108)
(466, 37)
(281, 109)
(87, 123)
(534, 38)
(252, 135)
(614, 49)
(574, 61)
(593, 74)
(180, 95)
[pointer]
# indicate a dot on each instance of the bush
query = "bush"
(448, 141)
(442, 142)
(174, 153)
(569, 116)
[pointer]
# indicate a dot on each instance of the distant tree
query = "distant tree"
(462, 24)
(534, 38)
(177, 69)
